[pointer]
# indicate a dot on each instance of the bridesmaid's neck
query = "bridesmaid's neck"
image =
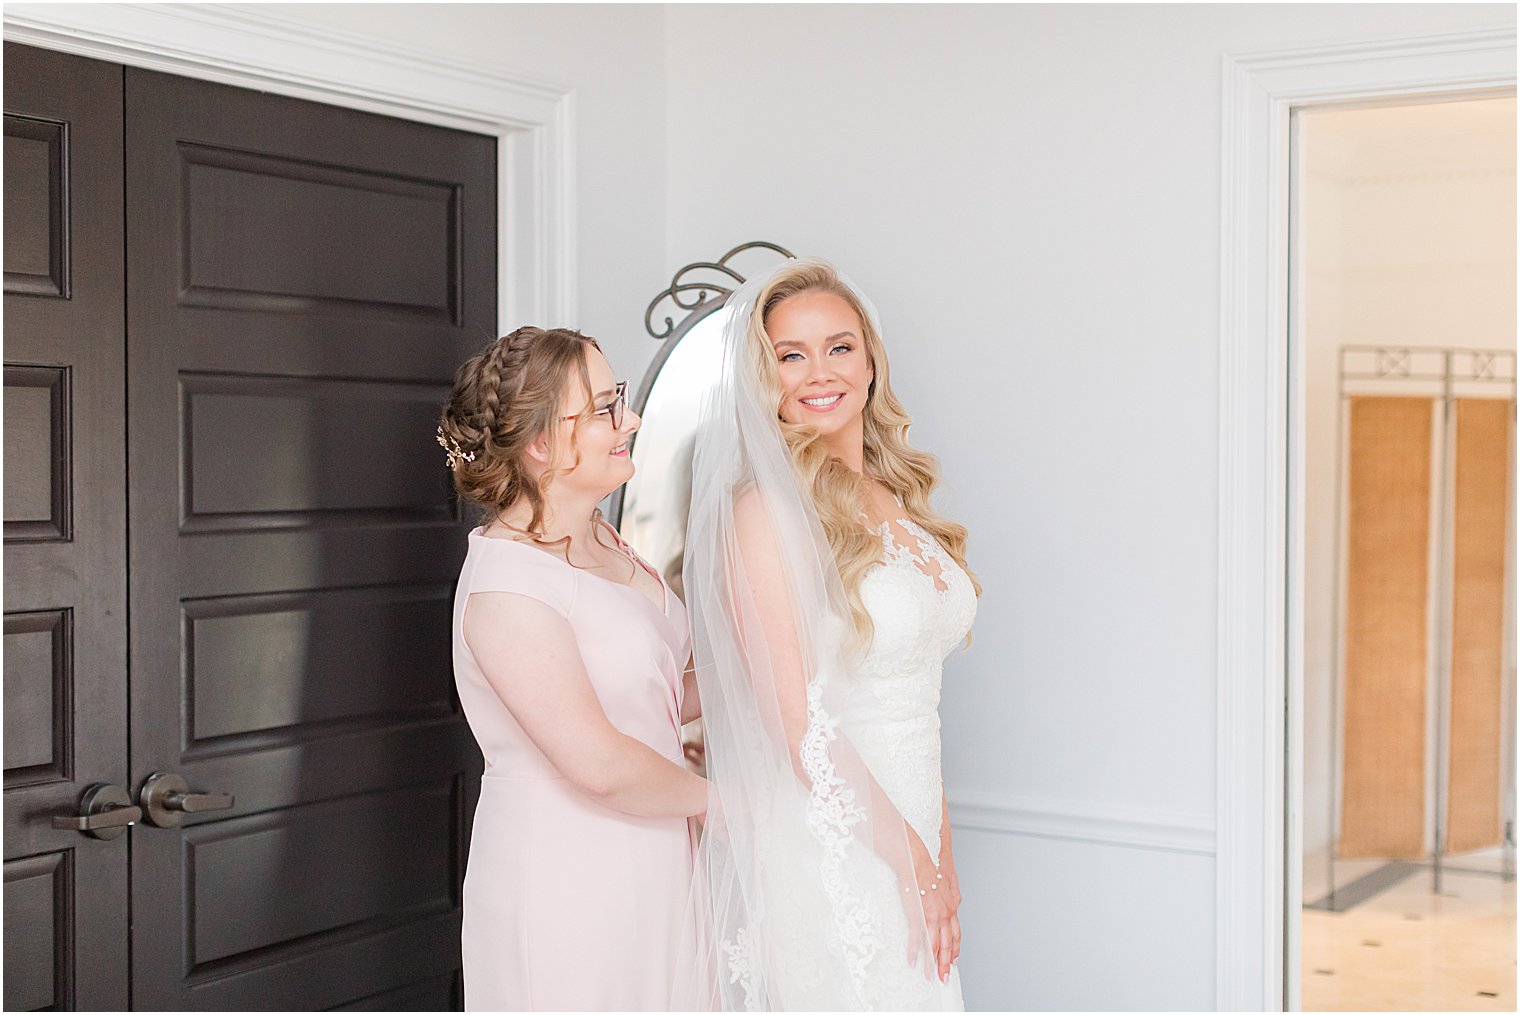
(563, 516)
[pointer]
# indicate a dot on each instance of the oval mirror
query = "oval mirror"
(651, 510)
(657, 498)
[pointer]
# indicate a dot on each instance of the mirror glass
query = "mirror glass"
(658, 496)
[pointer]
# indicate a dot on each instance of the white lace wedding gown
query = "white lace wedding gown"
(921, 605)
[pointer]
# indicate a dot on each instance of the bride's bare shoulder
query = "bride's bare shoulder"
(753, 523)
(749, 506)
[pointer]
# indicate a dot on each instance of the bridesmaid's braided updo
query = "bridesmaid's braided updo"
(505, 397)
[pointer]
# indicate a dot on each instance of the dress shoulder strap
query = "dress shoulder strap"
(506, 565)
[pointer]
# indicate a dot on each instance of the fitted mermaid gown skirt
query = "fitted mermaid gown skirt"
(568, 904)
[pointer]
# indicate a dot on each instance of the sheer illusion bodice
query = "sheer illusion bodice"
(921, 605)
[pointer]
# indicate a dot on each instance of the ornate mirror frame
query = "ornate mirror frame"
(699, 289)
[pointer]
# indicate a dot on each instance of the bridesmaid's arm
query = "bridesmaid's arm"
(528, 654)
(691, 702)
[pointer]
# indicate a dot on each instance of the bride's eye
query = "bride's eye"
(787, 358)
(842, 345)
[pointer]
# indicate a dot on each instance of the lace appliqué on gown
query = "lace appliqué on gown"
(922, 605)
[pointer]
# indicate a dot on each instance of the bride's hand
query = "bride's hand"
(952, 884)
(939, 906)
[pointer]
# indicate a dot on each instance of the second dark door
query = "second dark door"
(302, 282)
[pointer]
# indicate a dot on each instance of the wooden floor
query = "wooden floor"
(1408, 949)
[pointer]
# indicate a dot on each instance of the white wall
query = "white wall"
(1031, 196)
(1408, 240)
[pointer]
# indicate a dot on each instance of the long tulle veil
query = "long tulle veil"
(805, 887)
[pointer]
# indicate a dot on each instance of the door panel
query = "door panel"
(346, 239)
(390, 633)
(37, 198)
(240, 431)
(37, 904)
(429, 995)
(38, 480)
(65, 529)
(305, 280)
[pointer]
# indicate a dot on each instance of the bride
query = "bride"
(824, 593)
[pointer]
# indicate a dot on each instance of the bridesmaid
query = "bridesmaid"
(569, 654)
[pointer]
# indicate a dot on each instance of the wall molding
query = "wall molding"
(1260, 676)
(1402, 179)
(254, 46)
(1102, 823)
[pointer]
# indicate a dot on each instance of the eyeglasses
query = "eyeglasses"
(614, 409)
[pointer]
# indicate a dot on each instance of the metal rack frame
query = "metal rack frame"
(1442, 374)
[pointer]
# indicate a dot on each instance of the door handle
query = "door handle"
(167, 799)
(105, 812)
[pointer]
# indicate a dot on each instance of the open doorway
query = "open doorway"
(1404, 294)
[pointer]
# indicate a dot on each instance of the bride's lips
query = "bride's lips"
(829, 406)
(621, 451)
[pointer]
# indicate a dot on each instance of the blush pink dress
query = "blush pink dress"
(568, 904)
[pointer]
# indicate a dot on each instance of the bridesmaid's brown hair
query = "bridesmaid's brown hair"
(505, 397)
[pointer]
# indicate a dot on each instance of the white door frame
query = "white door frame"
(254, 46)
(1260, 671)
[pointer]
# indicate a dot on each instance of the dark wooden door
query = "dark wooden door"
(65, 530)
(303, 281)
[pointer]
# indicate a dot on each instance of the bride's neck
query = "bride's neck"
(849, 447)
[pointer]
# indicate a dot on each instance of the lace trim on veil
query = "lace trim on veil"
(741, 966)
(832, 814)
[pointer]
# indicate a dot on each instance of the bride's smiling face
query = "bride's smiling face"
(822, 361)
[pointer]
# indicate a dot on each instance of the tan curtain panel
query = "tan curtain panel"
(1387, 592)
(1481, 512)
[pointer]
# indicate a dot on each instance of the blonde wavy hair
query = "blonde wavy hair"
(837, 490)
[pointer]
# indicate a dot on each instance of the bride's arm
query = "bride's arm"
(767, 581)
(952, 880)
(769, 586)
